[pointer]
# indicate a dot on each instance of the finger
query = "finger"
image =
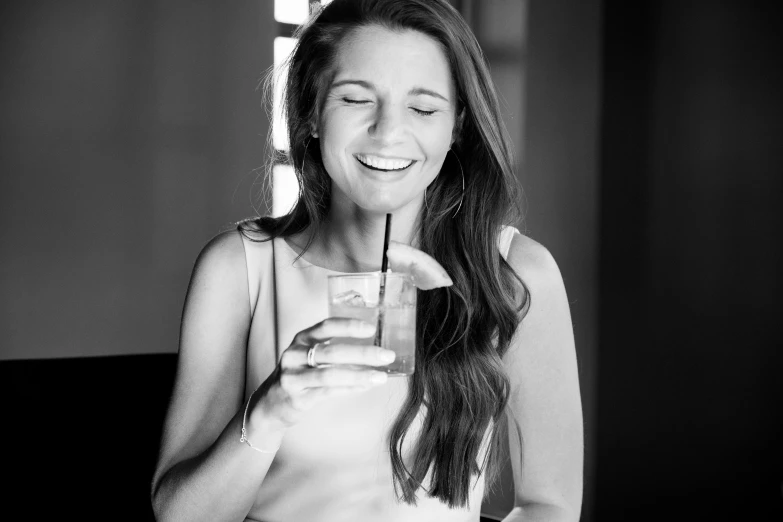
(338, 391)
(334, 391)
(295, 383)
(335, 327)
(364, 355)
(295, 357)
(425, 271)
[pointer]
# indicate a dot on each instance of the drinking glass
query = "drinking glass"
(359, 296)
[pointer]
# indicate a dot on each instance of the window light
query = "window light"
(285, 189)
(292, 11)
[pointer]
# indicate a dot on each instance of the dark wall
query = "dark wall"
(690, 396)
(129, 132)
(561, 178)
(545, 61)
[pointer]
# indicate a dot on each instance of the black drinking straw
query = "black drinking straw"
(382, 289)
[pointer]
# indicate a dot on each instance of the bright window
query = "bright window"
(283, 48)
(285, 187)
(292, 11)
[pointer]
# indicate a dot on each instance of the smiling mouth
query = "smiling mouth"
(383, 164)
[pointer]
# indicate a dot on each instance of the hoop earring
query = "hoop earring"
(462, 173)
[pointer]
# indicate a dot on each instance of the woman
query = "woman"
(391, 109)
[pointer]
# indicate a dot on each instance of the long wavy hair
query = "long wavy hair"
(463, 331)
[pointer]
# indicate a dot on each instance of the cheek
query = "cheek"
(436, 142)
(330, 134)
(337, 132)
(438, 136)
(435, 164)
(332, 140)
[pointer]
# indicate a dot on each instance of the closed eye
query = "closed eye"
(355, 102)
(420, 112)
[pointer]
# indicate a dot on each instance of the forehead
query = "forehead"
(394, 59)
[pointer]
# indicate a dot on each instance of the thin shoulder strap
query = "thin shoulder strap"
(504, 241)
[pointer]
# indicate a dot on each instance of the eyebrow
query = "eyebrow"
(416, 91)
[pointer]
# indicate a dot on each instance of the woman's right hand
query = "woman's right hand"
(294, 387)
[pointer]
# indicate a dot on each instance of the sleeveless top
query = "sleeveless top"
(308, 479)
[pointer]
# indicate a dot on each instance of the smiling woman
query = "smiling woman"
(384, 127)
(390, 109)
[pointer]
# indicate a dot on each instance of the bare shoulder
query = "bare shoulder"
(211, 361)
(545, 401)
(545, 331)
(225, 256)
(535, 265)
(226, 247)
(216, 300)
(219, 265)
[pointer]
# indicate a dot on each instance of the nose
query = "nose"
(388, 125)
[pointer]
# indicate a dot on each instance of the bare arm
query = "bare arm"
(545, 422)
(203, 471)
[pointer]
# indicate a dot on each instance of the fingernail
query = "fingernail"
(387, 356)
(378, 378)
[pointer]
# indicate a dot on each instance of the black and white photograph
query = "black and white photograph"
(391, 260)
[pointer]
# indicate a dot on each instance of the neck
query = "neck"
(351, 239)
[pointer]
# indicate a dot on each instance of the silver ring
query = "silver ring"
(311, 355)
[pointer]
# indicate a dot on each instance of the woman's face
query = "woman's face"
(387, 119)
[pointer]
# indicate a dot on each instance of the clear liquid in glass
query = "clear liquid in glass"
(399, 331)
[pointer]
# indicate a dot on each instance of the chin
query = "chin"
(381, 203)
(379, 207)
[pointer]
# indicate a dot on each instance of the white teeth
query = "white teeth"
(384, 163)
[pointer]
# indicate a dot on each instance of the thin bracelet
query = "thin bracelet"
(244, 438)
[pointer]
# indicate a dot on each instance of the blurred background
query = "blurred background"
(649, 141)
